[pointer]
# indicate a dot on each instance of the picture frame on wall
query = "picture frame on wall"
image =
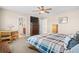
(21, 21)
(63, 20)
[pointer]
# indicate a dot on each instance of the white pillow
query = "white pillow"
(68, 38)
(71, 35)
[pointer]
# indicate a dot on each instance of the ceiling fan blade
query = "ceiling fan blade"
(42, 7)
(47, 12)
(39, 13)
(38, 7)
(49, 9)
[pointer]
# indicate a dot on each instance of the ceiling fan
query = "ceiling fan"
(42, 10)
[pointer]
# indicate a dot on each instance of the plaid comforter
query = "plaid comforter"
(50, 43)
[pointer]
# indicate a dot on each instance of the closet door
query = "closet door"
(34, 26)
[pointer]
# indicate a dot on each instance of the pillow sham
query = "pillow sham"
(74, 40)
(67, 39)
(76, 37)
(72, 43)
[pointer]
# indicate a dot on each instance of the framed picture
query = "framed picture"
(20, 21)
(63, 20)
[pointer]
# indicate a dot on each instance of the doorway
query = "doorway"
(34, 25)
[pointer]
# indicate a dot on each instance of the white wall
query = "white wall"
(69, 28)
(43, 26)
(0, 18)
(51, 20)
(46, 24)
(9, 18)
(73, 25)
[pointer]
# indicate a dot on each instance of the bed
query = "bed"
(53, 43)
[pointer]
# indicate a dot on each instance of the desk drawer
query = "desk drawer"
(5, 33)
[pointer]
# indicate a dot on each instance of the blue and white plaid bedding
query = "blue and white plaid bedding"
(50, 43)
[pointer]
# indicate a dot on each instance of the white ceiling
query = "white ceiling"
(30, 9)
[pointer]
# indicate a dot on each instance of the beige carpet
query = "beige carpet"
(21, 46)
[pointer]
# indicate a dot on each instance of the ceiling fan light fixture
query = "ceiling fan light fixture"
(42, 12)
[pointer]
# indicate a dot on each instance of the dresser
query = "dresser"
(8, 35)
